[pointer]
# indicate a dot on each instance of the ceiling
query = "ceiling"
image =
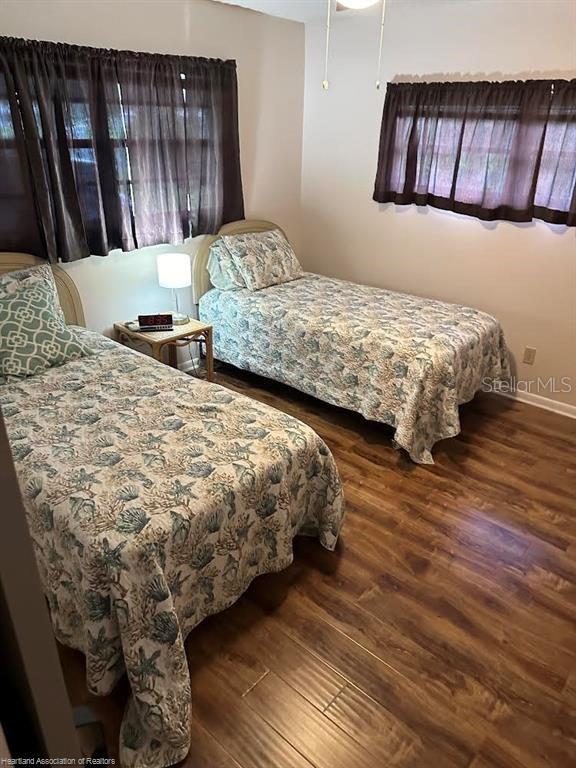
(297, 10)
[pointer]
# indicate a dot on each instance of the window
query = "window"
(114, 149)
(492, 150)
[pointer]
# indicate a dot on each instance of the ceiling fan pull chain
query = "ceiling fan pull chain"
(325, 82)
(355, 5)
(380, 45)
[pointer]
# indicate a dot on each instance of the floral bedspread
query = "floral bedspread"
(398, 359)
(153, 500)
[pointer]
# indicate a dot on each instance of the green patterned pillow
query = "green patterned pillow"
(33, 333)
(10, 282)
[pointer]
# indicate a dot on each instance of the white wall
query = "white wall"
(270, 60)
(525, 274)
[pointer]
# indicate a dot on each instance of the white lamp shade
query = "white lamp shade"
(174, 270)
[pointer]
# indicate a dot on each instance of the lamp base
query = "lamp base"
(180, 319)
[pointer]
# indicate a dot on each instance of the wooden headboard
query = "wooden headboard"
(200, 277)
(67, 292)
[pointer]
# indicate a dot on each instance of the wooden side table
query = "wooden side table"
(181, 336)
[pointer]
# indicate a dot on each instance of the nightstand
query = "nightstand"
(181, 336)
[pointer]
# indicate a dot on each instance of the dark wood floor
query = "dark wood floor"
(440, 634)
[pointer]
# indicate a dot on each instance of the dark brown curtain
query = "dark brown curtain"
(491, 150)
(212, 110)
(153, 115)
(113, 149)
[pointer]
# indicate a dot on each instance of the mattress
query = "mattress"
(406, 361)
(153, 500)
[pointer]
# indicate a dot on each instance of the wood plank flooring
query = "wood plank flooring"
(440, 634)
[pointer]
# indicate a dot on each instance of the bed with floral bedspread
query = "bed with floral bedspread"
(153, 501)
(406, 361)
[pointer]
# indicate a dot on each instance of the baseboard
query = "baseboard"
(564, 409)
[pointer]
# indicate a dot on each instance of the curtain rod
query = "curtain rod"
(51, 47)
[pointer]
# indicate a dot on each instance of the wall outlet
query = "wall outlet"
(529, 355)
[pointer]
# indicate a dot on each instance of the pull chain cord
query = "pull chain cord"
(325, 82)
(380, 46)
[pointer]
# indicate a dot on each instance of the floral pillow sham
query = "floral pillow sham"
(224, 274)
(263, 258)
(33, 332)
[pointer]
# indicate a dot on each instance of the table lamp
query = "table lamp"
(174, 272)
